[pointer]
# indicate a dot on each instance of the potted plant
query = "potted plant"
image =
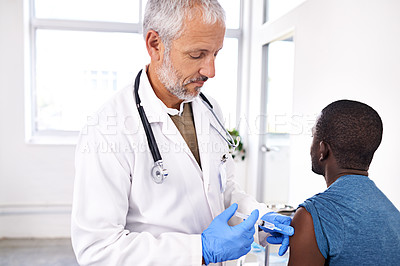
(239, 153)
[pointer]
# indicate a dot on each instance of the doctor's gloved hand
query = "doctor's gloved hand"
(222, 242)
(281, 236)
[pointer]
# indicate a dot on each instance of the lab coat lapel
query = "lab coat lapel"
(209, 141)
(202, 123)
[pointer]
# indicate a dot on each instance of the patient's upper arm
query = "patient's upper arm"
(303, 244)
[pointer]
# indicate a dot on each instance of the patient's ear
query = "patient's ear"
(325, 150)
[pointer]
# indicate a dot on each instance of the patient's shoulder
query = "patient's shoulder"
(303, 218)
(303, 244)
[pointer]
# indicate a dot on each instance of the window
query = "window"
(280, 72)
(81, 55)
(76, 71)
(89, 10)
(274, 9)
(277, 96)
(225, 86)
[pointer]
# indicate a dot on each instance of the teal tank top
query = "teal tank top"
(355, 223)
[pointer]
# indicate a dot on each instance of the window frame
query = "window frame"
(64, 137)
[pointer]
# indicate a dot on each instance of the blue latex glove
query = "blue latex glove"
(222, 242)
(279, 237)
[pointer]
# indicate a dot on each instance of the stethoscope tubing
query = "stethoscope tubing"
(155, 152)
(231, 142)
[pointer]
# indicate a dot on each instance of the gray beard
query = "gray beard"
(170, 78)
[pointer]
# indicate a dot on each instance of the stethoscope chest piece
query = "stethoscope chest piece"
(158, 173)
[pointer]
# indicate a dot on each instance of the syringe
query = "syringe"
(260, 222)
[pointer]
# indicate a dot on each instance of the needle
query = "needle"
(260, 222)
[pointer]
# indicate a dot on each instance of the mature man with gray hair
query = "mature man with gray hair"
(128, 209)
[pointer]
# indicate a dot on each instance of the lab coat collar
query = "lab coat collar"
(173, 111)
(155, 109)
(152, 105)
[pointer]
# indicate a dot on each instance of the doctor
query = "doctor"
(120, 215)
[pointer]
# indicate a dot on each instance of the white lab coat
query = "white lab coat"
(120, 215)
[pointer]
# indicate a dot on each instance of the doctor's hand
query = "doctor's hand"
(281, 236)
(222, 242)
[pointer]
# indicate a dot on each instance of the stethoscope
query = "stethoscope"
(158, 172)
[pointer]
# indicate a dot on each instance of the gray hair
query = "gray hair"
(166, 17)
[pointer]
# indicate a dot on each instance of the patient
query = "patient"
(352, 222)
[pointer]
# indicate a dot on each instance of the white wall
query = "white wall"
(35, 181)
(343, 49)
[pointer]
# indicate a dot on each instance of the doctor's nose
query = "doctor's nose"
(208, 68)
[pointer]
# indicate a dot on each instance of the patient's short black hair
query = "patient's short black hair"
(353, 130)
